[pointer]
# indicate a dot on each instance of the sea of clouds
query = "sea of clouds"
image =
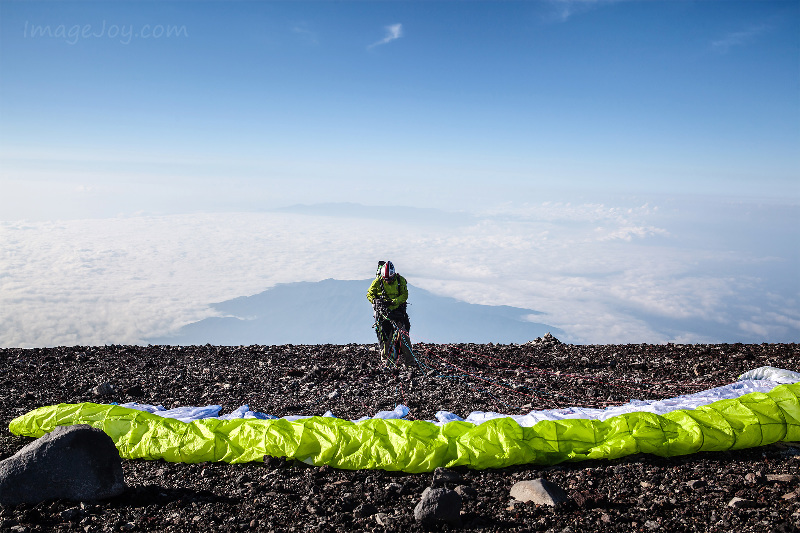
(677, 271)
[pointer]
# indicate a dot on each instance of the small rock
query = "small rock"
(394, 487)
(742, 503)
(695, 484)
(382, 519)
(275, 463)
(313, 509)
(754, 477)
(438, 505)
(442, 476)
(539, 491)
(790, 496)
(651, 524)
(781, 478)
(333, 395)
(72, 514)
(104, 389)
(135, 390)
(466, 493)
(364, 510)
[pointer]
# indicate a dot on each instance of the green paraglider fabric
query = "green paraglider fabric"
(754, 419)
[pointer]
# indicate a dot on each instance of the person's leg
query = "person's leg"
(402, 343)
(385, 341)
(408, 355)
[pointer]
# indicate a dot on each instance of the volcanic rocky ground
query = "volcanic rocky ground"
(636, 493)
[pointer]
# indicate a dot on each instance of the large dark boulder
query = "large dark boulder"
(77, 463)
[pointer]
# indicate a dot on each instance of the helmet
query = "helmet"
(387, 271)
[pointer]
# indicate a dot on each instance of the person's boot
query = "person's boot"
(408, 355)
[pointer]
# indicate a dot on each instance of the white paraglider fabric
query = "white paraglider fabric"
(762, 379)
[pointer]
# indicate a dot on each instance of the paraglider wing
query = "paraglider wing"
(754, 419)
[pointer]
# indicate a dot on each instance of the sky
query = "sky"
(629, 168)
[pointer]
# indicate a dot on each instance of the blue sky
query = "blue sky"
(244, 99)
(628, 168)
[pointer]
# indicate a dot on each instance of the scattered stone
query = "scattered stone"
(438, 505)
(546, 341)
(442, 476)
(539, 491)
(364, 510)
(695, 484)
(333, 395)
(587, 498)
(742, 503)
(104, 389)
(275, 463)
(466, 493)
(166, 496)
(651, 524)
(72, 514)
(754, 478)
(135, 390)
(313, 509)
(72, 463)
(781, 478)
(394, 487)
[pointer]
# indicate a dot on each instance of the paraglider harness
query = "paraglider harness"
(396, 342)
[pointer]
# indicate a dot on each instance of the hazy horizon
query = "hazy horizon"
(602, 274)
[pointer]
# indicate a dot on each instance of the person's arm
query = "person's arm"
(402, 288)
(374, 291)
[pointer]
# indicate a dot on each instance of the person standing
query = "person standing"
(388, 295)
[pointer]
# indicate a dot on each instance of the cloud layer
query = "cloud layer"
(602, 274)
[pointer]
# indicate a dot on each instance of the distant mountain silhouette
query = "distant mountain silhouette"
(337, 312)
(422, 216)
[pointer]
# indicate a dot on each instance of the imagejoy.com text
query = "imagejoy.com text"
(122, 33)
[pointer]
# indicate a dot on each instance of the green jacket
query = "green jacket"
(397, 291)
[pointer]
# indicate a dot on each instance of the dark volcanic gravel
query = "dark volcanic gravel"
(636, 493)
